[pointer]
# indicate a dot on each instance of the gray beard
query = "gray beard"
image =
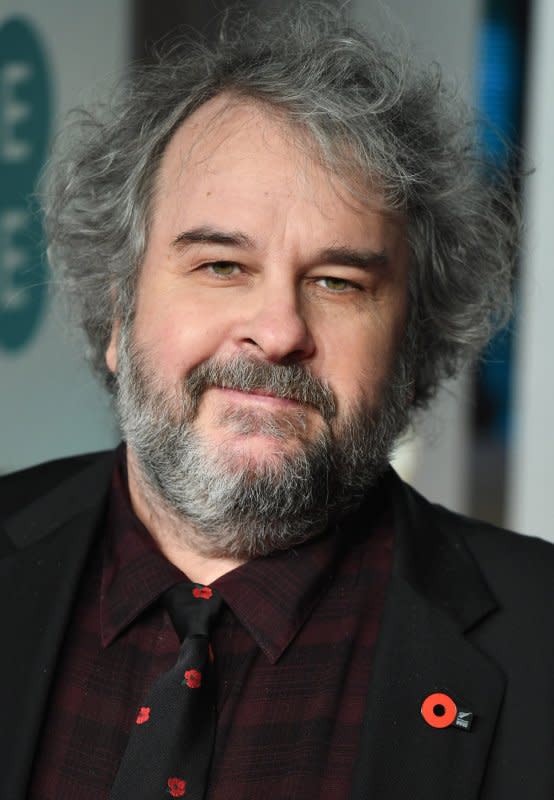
(244, 508)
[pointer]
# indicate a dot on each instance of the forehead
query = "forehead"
(227, 122)
(230, 134)
(228, 130)
(239, 159)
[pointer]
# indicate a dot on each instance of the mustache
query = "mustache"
(287, 381)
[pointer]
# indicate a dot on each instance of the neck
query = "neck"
(174, 537)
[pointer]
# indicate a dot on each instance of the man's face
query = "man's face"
(256, 254)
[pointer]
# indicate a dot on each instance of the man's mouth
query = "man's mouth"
(261, 396)
(254, 382)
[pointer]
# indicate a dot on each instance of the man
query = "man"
(277, 248)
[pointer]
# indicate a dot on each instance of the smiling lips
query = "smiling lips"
(261, 396)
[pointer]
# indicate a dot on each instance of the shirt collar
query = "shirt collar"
(135, 572)
(273, 597)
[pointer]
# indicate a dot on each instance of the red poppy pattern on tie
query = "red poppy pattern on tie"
(176, 787)
(202, 592)
(193, 679)
(173, 729)
(143, 715)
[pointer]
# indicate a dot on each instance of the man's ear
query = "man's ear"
(111, 350)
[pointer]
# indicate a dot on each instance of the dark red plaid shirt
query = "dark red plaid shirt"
(293, 651)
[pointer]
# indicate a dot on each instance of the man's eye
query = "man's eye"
(335, 284)
(223, 269)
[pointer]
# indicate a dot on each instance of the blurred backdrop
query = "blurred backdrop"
(485, 447)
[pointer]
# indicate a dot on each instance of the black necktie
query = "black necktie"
(170, 746)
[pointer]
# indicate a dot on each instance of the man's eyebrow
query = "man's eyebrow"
(337, 256)
(350, 257)
(208, 235)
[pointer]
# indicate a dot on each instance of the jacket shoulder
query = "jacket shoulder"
(506, 558)
(20, 488)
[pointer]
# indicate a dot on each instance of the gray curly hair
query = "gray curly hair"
(373, 118)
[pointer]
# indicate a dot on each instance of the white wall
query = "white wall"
(49, 404)
(443, 31)
(532, 473)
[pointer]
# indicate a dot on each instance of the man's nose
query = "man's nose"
(277, 328)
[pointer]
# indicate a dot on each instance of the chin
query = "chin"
(255, 452)
(258, 433)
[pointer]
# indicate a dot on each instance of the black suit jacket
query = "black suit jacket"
(468, 612)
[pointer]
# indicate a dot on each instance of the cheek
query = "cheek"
(360, 361)
(176, 341)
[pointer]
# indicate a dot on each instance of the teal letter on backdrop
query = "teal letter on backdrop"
(25, 117)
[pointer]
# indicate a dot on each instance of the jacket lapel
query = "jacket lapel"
(38, 581)
(436, 595)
